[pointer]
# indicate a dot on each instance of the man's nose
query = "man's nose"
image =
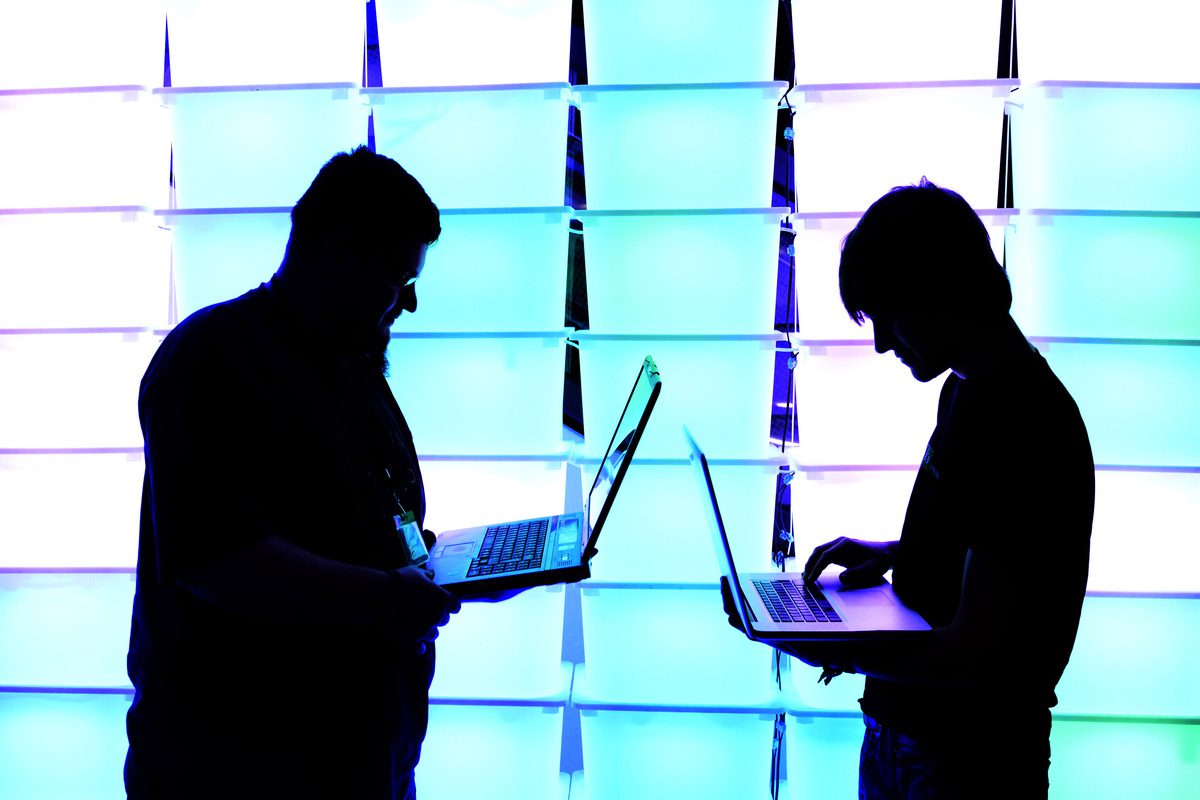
(408, 299)
(883, 342)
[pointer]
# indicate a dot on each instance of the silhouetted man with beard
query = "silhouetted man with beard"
(282, 630)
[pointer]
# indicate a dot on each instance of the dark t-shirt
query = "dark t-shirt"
(255, 427)
(1009, 472)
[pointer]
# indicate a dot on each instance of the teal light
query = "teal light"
(1116, 760)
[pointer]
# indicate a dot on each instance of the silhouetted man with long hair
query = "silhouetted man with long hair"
(281, 644)
(994, 547)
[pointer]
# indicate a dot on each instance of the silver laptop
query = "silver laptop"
(547, 550)
(782, 607)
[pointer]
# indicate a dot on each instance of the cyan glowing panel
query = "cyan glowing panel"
(822, 754)
(116, 263)
(669, 646)
(494, 751)
(1134, 656)
(238, 43)
(679, 41)
(646, 539)
(1138, 401)
(856, 407)
(461, 491)
(519, 641)
(72, 390)
(854, 142)
(495, 270)
(1115, 760)
(672, 147)
(1108, 40)
(62, 746)
(818, 244)
(803, 692)
(882, 40)
(81, 43)
(219, 255)
(674, 753)
(1106, 146)
(478, 147)
(864, 504)
(63, 629)
(480, 394)
(1139, 517)
(469, 42)
(658, 272)
(719, 386)
(238, 147)
(1106, 275)
(70, 510)
(82, 148)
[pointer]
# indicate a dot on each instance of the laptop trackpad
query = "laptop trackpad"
(865, 598)
(463, 549)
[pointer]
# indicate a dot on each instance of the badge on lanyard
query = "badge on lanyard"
(410, 536)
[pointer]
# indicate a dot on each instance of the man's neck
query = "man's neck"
(991, 350)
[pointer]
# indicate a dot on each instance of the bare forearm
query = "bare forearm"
(276, 581)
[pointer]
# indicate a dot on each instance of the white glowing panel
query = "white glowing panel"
(672, 752)
(855, 142)
(682, 272)
(493, 751)
(469, 42)
(481, 394)
(855, 41)
(241, 42)
(1139, 516)
(1138, 402)
(93, 147)
(1117, 759)
(89, 269)
(719, 386)
(1097, 146)
(70, 510)
(862, 504)
(856, 407)
(72, 390)
(822, 754)
(668, 645)
(1108, 40)
(679, 41)
(522, 640)
(65, 629)
(673, 147)
(219, 255)
(1128, 276)
(239, 147)
(461, 492)
(495, 270)
(62, 745)
(647, 538)
(818, 244)
(82, 43)
(503, 146)
(1121, 641)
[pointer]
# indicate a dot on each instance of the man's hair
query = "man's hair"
(358, 196)
(922, 249)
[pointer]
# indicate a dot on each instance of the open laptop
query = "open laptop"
(781, 607)
(548, 550)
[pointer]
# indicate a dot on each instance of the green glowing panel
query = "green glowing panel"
(1138, 401)
(822, 756)
(1115, 760)
(1097, 146)
(1106, 276)
(62, 747)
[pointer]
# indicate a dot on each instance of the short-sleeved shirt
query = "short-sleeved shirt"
(1009, 471)
(254, 426)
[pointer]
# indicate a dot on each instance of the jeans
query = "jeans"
(894, 766)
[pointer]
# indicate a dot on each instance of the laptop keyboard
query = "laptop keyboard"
(509, 548)
(789, 600)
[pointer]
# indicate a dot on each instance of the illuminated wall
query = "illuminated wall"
(100, 255)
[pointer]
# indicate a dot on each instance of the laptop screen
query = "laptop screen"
(620, 448)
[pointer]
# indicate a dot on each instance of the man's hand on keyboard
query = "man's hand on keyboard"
(865, 562)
